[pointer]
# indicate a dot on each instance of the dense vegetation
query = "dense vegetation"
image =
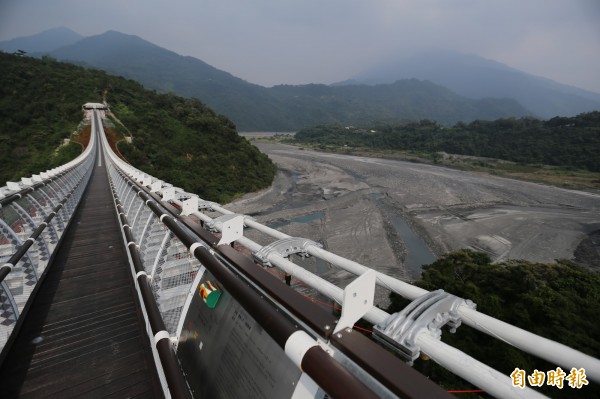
(178, 140)
(559, 301)
(36, 114)
(183, 142)
(572, 142)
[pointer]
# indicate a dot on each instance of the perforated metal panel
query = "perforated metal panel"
(164, 257)
(18, 221)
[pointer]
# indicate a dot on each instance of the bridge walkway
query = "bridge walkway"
(84, 334)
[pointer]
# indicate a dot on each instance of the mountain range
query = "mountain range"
(476, 77)
(176, 139)
(375, 96)
(42, 42)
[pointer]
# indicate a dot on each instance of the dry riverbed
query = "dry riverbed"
(395, 216)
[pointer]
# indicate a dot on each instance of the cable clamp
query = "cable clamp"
(163, 334)
(284, 247)
(9, 265)
(427, 313)
(206, 205)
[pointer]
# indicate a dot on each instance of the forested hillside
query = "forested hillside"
(572, 142)
(175, 139)
(475, 77)
(559, 301)
(284, 107)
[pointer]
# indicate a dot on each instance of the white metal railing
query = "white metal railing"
(173, 271)
(168, 272)
(166, 261)
(34, 214)
(170, 268)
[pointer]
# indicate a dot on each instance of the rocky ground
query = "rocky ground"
(385, 213)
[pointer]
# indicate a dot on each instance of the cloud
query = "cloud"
(301, 41)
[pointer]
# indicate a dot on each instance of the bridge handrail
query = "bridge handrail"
(534, 344)
(478, 373)
(34, 214)
(15, 190)
(300, 343)
(522, 339)
(170, 374)
(467, 367)
(451, 358)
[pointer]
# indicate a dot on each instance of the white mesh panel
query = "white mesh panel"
(172, 280)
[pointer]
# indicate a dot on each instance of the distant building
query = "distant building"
(87, 109)
(90, 106)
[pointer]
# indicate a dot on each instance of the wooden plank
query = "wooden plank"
(84, 335)
(75, 384)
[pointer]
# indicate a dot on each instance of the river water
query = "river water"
(417, 251)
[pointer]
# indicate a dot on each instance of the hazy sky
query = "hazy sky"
(323, 41)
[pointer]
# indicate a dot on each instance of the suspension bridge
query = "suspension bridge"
(116, 284)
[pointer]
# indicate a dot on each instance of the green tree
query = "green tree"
(175, 139)
(559, 301)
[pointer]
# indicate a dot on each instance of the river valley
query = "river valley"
(396, 216)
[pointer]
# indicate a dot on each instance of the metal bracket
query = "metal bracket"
(232, 228)
(168, 193)
(27, 181)
(358, 299)
(212, 225)
(429, 312)
(189, 206)
(208, 205)
(146, 180)
(183, 195)
(284, 247)
(156, 186)
(13, 186)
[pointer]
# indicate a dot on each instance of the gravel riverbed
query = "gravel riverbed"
(353, 206)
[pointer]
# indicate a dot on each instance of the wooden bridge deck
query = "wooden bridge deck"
(84, 334)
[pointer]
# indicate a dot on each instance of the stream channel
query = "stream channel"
(417, 251)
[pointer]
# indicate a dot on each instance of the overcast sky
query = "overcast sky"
(323, 41)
